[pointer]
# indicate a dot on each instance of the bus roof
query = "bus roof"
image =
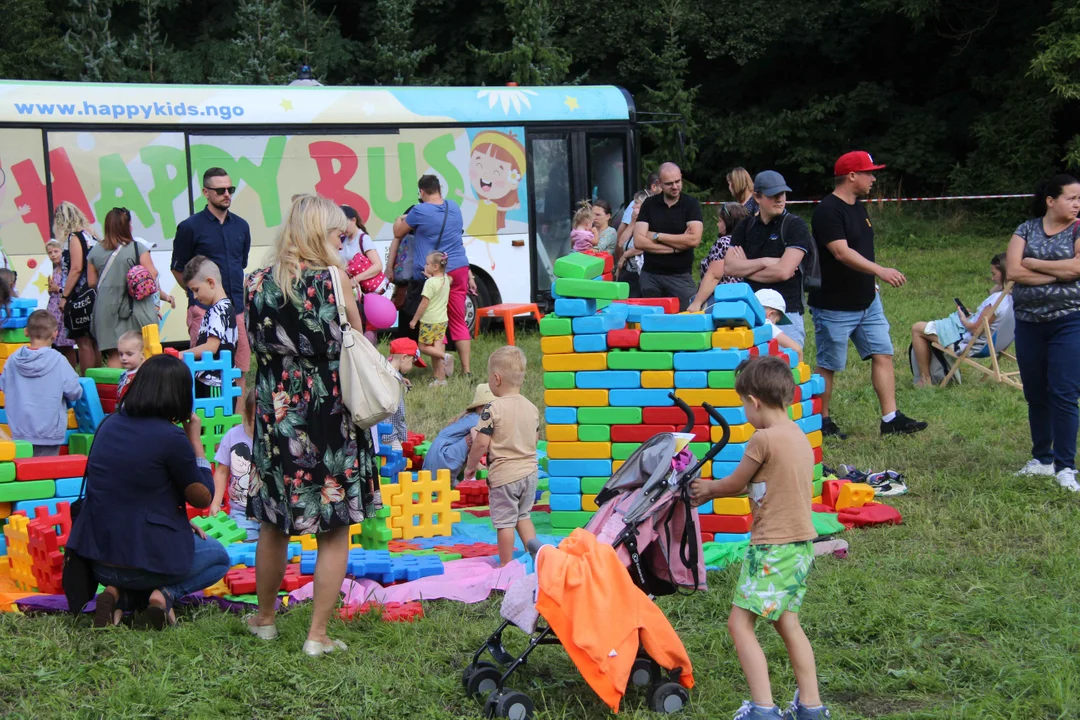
(48, 103)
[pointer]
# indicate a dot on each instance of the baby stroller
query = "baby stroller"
(642, 507)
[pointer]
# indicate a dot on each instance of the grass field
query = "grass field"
(967, 610)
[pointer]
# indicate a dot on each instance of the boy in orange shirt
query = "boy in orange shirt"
(777, 472)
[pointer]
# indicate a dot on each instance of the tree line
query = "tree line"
(954, 95)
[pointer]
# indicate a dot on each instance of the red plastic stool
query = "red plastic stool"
(507, 311)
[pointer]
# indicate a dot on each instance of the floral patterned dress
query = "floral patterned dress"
(313, 469)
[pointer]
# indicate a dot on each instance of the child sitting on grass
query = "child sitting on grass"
(432, 317)
(776, 316)
(233, 470)
(450, 448)
(129, 347)
(777, 472)
(218, 330)
(507, 433)
(404, 354)
(36, 381)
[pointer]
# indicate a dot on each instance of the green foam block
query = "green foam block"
(609, 416)
(579, 265)
(559, 381)
(104, 375)
(676, 341)
(621, 451)
(7, 472)
(555, 325)
(591, 289)
(818, 473)
(592, 485)
(594, 433)
(80, 443)
(28, 490)
(569, 519)
(18, 335)
(722, 379)
(637, 360)
(24, 449)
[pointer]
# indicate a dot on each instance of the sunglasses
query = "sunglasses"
(221, 191)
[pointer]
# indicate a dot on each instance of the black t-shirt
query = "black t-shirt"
(759, 240)
(670, 221)
(841, 287)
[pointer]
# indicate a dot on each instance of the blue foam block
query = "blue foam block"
(792, 356)
(691, 379)
(68, 487)
(810, 424)
(230, 391)
(734, 416)
(307, 561)
(372, 564)
(652, 397)
(414, 567)
(807, 408)
(817, 385)
(607, 379)
(635, 313)
(384, 429)
(13, 323)
(618, 310)
(733, 314)
(743, 293)
(677, 323)
(579, 468)
(715, 359)
(731, 537)
(27, 506)
(3, 416)
(731, 453)
(560, 416)
(806, 390)
(23, 303)
(563, 503)
(723, 469)
(564, 486)
(705, 508)
(575, 307)
(590, 343)
(241, 553)
(3, 546)
(762, 334)
(600, 323)
(88, 412)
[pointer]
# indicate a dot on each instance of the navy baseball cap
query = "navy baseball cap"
(769, 183)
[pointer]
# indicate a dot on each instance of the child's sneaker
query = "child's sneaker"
(798, 711)
(1035, 467)
(750, 711)
(886, 484)
(1066, 478)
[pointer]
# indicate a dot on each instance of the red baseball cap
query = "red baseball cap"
(855, 161)
(407, 346)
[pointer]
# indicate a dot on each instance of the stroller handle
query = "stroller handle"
(686, 409)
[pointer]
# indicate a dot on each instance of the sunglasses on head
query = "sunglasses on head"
(221, 191)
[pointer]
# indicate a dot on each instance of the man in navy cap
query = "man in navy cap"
(847, 306)
(766, 249)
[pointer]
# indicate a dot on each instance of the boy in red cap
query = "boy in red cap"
(404, 354)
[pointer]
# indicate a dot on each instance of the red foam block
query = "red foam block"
(627, 339)
(50, 468)
(727, 523)
(637, 433)
(106, 391)
(706, 537)
(815, 403)
(830, 491)
(670, 305)
(818, 455)
(672, 416)
(609, 261)
(714, 523)
(108, 406)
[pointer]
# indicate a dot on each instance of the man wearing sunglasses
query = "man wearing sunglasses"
(225, 238)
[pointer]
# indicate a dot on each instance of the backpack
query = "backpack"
(940, 365)
(810, 265)
(140, 283)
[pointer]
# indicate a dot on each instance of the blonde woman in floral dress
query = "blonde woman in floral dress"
(313, 470)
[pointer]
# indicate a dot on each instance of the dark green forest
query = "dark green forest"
(955, 95)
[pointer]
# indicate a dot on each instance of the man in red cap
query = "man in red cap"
(847, 306)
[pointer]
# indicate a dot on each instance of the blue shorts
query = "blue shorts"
(868, 329)
(239, 515)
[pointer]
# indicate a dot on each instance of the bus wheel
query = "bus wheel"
(483, 298)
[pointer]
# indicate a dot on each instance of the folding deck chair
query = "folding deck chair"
(997, 344)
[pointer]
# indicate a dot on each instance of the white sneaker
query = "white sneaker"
(1067, 479)
(1034, 467)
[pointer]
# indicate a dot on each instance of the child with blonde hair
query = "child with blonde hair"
(63, 345)
(432, 317)
(129, 347)
(584, 235)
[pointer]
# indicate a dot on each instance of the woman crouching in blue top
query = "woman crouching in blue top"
(133, 525)
(450, 448)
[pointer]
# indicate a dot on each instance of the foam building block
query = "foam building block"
(592, 343)
(230, 391)
(743, 294)
(222, 528)
(591, 289)
(609, 415)
(601, 323)
(635, 360)
(88, 410)
(560, 415)
(609, 379)
(578, 265)
(47, 468)
(555, 325)
(677, 323)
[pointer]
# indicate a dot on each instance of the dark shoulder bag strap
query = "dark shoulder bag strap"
(446, 214)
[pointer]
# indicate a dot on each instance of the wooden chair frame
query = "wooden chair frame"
(1008, 378)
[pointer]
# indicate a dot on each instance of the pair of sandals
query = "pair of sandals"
(107, 614)
(312, 648)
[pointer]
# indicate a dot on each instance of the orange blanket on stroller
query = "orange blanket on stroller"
(600, 616)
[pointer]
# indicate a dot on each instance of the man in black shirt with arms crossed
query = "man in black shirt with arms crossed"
(848, 306)
(668, 228)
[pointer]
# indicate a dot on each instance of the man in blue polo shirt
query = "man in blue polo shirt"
(224, 238)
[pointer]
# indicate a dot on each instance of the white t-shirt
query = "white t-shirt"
(1003, 311)
(776, 331)
(628, 214)
(359, 243)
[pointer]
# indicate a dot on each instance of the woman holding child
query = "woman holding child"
(313, 470)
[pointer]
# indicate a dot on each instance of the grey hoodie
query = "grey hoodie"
(35, 384)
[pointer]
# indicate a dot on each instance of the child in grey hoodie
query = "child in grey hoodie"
(36, 381)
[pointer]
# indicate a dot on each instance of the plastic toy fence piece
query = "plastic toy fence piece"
(241, 553)
(413, 567)
(375, 531)
(854, 495)
(48, 468)
(575, 362)
(18, 552)
(425, 505)
(151, 341)
(230, 391)
(578, 265)
(47, 536)
(575, 307)
(88, 410)
(594, 289)
(372, 564)
(223, 529)
(214, 426)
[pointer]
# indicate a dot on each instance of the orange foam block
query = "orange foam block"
(571, 398)
(574, 362)
(579, 450)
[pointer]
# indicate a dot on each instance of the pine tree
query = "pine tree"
(92, 53)
(670, 95)
(533, 57)
(395, 61)
(264, 47)
(147, 53)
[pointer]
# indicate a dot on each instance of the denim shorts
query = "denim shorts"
(868, 329)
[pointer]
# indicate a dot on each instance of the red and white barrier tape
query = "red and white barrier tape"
(910, 199)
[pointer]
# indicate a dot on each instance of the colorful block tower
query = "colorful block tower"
(610, 364)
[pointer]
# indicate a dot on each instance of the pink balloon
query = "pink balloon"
(379, 311)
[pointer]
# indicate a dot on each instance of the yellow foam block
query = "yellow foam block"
(804, 373)
(151, 341)
(814, 438)
(616, 464)
(579, 450)
(218, 589)
(1, 399)
(575, 362)
(815, 500)
(7, 450)
(706, 470)
(739, 433)
(307, 542)
(425, 505)
(8, 349)
(562, 433)
(795, 411)
(716, 398)
(18, 548)
(5, 510)
(731, 506)
(658, 379)
(739, 338)
(73, 424)
(574, 398)
(557, 345)
(588, 503)
(854, 495)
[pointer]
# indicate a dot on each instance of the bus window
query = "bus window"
(24, 202)
(607, 168)
(551, 190)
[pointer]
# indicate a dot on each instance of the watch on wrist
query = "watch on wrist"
(656, 237)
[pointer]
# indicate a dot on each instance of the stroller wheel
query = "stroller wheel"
(509, 704)
(644, 672)
(668, 698)
(481, 679)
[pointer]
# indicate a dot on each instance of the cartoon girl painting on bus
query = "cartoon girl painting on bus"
(496, 169)
(21, 211)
